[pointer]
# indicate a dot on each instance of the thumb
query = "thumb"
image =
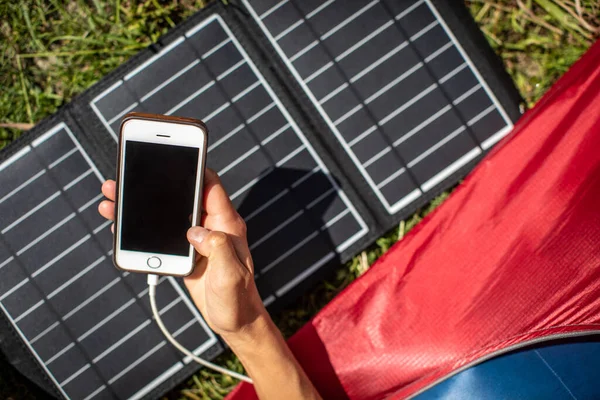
(216, 246)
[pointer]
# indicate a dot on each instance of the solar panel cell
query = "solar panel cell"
(23, 301)
(11, 273)
(474, 105)
(53, 342)
(119, 99)
(188, 333)
(53, 148)
(299, 260)
(85, 374)
(266, 125)
(89, 280)
(25, 202)
(483, 127)
(455, 143)
(110, 360)
(412, 147)
(66, 362)
(146, 368)
(106, 306)
(18, 170)
(37, 322)
(63, 269)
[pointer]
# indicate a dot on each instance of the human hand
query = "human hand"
(222, 284)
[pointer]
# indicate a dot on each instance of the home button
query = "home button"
(154, 262)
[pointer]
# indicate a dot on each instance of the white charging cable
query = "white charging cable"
(152, 282)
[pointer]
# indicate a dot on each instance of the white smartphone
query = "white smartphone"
(160, 171)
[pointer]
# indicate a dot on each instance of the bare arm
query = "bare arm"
(223, 288)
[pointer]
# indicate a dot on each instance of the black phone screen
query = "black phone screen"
(158, 197)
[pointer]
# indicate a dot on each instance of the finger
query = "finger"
(106, 208)
(109, 189)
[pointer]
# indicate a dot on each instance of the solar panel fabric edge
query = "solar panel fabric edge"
(484, 64)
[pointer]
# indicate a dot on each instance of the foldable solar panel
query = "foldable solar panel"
(327, 121)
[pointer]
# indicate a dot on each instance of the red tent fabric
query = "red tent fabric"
(512, 257)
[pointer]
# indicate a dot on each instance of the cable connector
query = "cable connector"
(152, 282)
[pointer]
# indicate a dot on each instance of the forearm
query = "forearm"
(270, 363)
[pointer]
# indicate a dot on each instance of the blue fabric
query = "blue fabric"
(566, 370)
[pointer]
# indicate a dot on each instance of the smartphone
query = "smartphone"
(160, 171)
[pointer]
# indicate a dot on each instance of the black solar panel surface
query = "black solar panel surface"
(298, 217)
(392, 83)
(87, 324)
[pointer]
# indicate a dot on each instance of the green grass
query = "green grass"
(50, 51)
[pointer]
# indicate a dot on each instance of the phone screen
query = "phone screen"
(158, 197)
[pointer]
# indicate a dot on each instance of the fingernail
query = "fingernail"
(197, 233)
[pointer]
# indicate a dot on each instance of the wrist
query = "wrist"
(260, 329)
